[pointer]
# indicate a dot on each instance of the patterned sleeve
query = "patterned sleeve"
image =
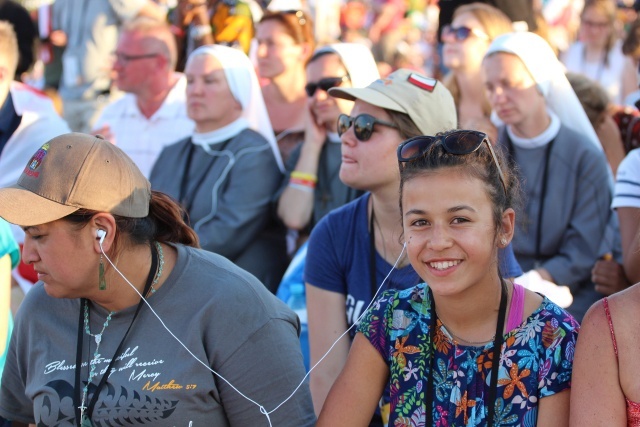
(375, 323)
(559, 335)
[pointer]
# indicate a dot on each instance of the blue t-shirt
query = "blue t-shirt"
(338, 259)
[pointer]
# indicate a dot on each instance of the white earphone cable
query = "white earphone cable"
(262, 408)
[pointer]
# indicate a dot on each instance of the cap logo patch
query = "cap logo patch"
(426, 83)
(36, 161)
(385, 82)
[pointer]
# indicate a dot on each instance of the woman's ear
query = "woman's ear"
(102, 228)
(507, 227)
(305, 52)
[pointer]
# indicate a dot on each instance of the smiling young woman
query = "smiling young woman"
(352, 250)
(469, 347)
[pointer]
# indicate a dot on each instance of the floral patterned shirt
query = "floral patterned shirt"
(536, 362)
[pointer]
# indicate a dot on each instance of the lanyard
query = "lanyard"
(543, 192)
(76, 396)
(372, 252)
(185, 199)
(495, 360)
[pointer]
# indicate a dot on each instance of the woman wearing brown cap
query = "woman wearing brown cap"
(87, 349)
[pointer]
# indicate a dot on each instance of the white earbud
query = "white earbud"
(101, 234)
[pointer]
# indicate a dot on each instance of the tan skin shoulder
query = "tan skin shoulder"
(532, 302)
(624, 308)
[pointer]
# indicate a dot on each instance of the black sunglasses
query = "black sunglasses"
(362, 125)
(462, 33)
(458, 142)
(324, 84)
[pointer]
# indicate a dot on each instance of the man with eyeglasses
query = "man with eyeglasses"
(152, 113)
(89, 31)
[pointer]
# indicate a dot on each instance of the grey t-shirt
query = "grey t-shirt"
(221, 313)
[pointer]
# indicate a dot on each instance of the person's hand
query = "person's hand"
(58, 38)
(105, 132)
(188, 9)
(609, 277)
(315, 134)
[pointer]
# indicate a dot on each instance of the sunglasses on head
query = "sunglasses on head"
(324, 84)
(362, 125)
(462, 33)
(460, 142)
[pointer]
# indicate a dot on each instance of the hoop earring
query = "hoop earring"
(102, 283)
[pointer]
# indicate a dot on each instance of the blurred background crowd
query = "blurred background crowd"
(124, 69)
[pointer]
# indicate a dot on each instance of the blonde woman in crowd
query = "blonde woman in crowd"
(285, 43)
(466, 41)
(598, 53)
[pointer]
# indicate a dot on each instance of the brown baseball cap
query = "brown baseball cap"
(76, 171)
(424, 99)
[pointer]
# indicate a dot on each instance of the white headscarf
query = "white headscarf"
(548, 73)
(358, 61)
(244, 87)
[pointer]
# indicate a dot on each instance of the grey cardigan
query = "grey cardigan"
(576, 212)
(226, 192)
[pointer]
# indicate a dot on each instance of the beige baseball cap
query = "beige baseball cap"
(424, 99)
(76, 171)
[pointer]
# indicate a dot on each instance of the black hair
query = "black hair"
(165, 223)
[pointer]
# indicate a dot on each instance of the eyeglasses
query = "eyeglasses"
(459, 142)
(302, 20)
(595, 24)
(462, 33)
(362, 125)
(324, 84)
(124, 59)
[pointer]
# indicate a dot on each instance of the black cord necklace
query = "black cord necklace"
(77, 401)
(495, 360)
(543, 193)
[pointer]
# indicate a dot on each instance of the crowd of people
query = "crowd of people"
(456, 183)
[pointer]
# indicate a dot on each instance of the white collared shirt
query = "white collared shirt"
(144, 138)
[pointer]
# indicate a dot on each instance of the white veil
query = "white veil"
(244, 86)
(549, 74)
(358, 61)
